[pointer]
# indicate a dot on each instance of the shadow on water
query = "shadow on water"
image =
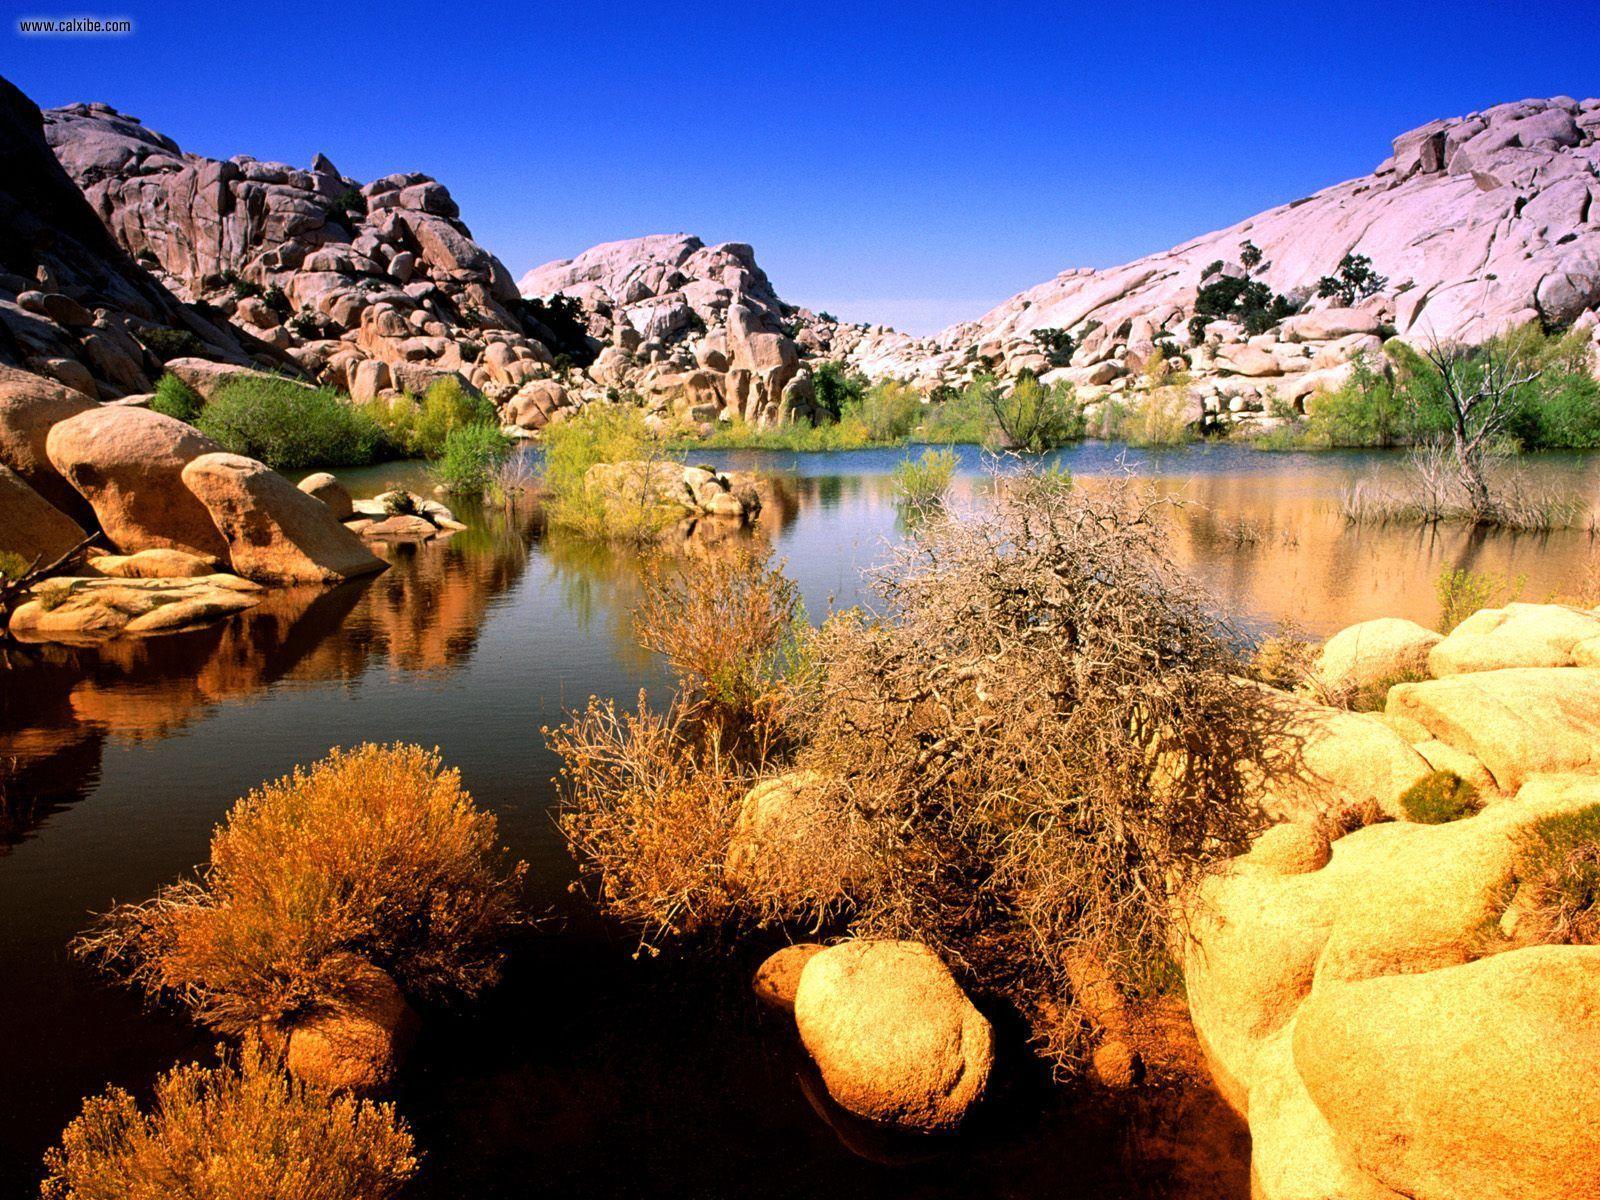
(590, 1072)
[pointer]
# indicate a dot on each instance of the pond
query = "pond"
(592, 1071)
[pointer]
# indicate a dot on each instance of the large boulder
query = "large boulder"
(128, 464)
(1518, 635)
(1374, 654)
(895, 1038)
(358, 1044)
(29, 407)
(1517, 722)
(275, 533)
(325, 487)
(1371, 1016)
(30, 526)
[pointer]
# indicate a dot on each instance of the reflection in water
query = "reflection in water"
(588, 1071)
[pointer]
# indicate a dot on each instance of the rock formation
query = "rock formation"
(371, 287)
(1475, 223)
(74, 307)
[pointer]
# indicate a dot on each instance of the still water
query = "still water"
(592, 1072)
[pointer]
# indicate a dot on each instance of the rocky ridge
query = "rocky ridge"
(371, 287)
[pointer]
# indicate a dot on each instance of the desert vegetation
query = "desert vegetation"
(924, 480)
(240, 1130)
(575, 500)
(373, 857)
(288, 425)
(1014, 760)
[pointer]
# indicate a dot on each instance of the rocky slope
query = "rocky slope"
(1476, 222)
(74, 307)
(371, 287)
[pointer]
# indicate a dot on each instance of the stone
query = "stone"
(274, 532)
(325, 487)
(1327, 324)
(128, 463)
(154, 564)
(1374, 654)
(32, 528)
(777, 979)
(87, 610)
(781, 837)
(1518, 722)
(895, 1038)
(1518, 635)
(29, 408)
(356, 1046)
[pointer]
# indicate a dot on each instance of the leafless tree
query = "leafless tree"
(1481, 385)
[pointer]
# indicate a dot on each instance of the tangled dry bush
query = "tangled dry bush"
(1017, 760)
(374, 855)
(1043, 730)
(243, 1130)
(1560, 874)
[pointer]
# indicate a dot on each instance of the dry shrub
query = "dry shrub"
(730, 627)
(1438, 798)
(1560, 872)
(243, 1130)
(374, 853)
(1043, 733)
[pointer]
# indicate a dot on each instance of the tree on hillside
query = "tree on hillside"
(1356, 280)
(1481, 387)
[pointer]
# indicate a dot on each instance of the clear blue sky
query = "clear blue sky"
(913, 163)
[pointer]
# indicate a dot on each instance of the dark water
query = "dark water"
(590, 1072)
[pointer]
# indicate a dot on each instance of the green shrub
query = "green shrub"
(472, 454)
(1057, 345)
(837, 389)
(1462, 593)
(1438, 798)
(1033, 417)
(798, 437)
(890, 410)
(418, 428)
(12, 565)
(175, 398)
(1559, 867)
(965, 417)
(603, 433)
(287, 425)
(374, 857)
(243, 1130)
(1354, 280)
(924, 480)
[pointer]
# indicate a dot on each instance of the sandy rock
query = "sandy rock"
(325, 487)
(358, 1046)
(154, 564)
(1518, 635)
(1327, 324)
(29, 408)
(1293, 848)
(127, 463)
(30, 526)
(894, 1036)
(778, 977)
(78, 610)
(1517, 722)
(1374, 653)
(274, 532)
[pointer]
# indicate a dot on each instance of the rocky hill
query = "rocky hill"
(368, 286)
(74, 307)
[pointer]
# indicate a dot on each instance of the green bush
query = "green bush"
(472, 453)
(889, 409)
(837, 389)
(1438, 798)
(1035, 418)
(1354, 281)
(175, 398)
(288, 425)
(12, 565)
(167, 344)
(796, 437)
(418, 428)
(965, 417)
(924, 480)
(243, 1130)
(603, 433)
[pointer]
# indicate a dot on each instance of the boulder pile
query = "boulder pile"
(1390, 1010)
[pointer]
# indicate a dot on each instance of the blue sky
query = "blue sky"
(911, 164)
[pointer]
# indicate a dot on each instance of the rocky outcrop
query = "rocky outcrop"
(1373, 654)
(1519, 635)
(332, 272)
(694, 327)
(85, 610)
(690, 492)
(358, 1045)
(128, 464)
(29, 407)
(1377, 1012)
(74, 306)
(1476, 223)
(31, 527)
(777, 979)
(275, 533)
(895, 1038)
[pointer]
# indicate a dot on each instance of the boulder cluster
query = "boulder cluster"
(1385, 1005)
(196, 530)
